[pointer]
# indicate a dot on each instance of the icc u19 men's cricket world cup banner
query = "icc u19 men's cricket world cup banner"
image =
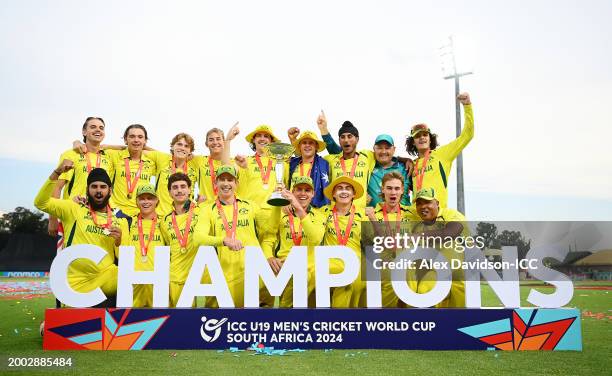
(411, 329)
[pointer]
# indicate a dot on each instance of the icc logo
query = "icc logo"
(209, 326)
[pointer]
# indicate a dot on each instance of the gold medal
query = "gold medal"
(183, 250)
(129, 196)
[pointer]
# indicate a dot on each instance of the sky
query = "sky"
(541, 85)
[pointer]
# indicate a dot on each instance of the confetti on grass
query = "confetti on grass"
(24, 290)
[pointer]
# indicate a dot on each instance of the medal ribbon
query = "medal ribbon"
(349, 226)
(98, 157)
(144, 248)
(109, 217)
(264, 177)
(420, 174)
(386, 218)
(296, 236)
(355, 159)
(183, 238)
(131, 184)
(184, 168)
(231, 232)
(213, 175)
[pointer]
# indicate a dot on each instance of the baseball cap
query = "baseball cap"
(426, 194)
(384, 137)
(226, 169)
(419, 128)
(147, 188)
(297, 180)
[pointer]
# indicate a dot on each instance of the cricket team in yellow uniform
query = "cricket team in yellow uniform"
(131, 195)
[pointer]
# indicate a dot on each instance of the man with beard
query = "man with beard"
(433, 165)
(177, 231)
(309, 163)
(232, 224)
(145, 235)
(299, 225)
(349, 162)
(90, 223)
(432, 224)
(342, 220)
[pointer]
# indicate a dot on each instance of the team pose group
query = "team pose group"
(114, 195)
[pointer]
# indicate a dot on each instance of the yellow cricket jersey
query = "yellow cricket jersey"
(331, 238)
(79, 228)
(302, 169)
(363, 170)
(253, 228)
(456, 296)
(120, 191)
(206, 179)
(76, 179)
(439, 165)
(165, 168)
(134, 240)
(181, 260)
(251, 186)
(311, 233)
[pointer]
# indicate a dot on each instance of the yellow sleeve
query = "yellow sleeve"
(68, 154)
(313, 228)
(451, 150)
(269, 241)
(158, 157)
(54, 206)
(267, 221)
(202, 234)
(125, 235)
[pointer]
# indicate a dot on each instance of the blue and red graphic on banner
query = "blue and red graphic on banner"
(410, 329)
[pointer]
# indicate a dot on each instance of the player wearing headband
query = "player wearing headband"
(433, 165)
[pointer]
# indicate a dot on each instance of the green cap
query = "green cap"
(426, 194)
(297, 180)
(384, 137)
(226, 170)
(418, 129)
(147, 188)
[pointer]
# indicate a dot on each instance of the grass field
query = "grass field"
(19, 320)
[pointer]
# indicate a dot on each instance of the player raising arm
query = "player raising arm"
(90, 223)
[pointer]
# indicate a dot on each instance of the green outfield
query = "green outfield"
(19, 320)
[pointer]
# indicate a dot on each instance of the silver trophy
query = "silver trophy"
(281, 153)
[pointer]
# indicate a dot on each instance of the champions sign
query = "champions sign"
(546, 327)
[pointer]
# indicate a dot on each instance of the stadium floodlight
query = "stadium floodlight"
(450, 60)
